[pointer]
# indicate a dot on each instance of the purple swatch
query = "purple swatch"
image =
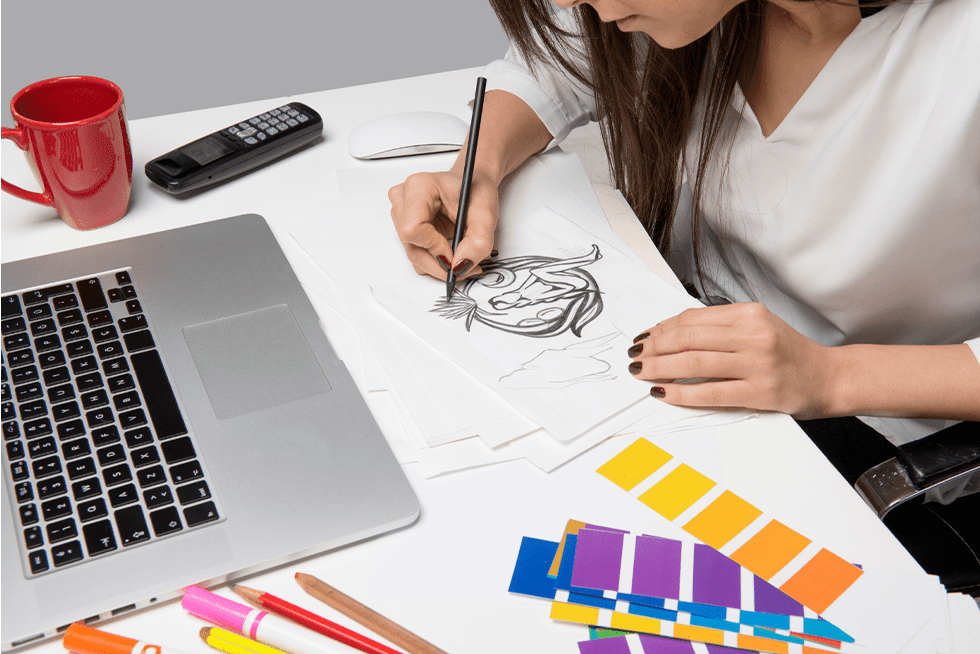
(617, 645)
(597, 559)
(769, 599)
(650, 644)
(657, 567)
(717, 579)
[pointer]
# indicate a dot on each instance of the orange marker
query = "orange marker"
(86, 640)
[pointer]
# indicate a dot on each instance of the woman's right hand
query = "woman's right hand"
(424, 209)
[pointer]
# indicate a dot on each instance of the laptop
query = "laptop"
(173, 415)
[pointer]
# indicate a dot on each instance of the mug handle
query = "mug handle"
(17, 136)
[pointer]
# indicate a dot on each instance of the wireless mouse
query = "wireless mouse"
(399, 135)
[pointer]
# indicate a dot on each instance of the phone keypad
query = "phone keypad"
(266, 125)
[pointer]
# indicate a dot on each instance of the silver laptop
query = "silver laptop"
(172, 415)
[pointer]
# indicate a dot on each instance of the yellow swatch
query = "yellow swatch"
(673, 494)
(574, 613)
(722, 520)
(630, 622)
(634, 464)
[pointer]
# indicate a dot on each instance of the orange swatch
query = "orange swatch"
(821, 581)
(722, 520)
(770, 550)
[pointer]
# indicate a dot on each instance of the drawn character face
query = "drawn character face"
(532, 295)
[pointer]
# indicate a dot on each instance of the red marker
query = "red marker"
(86, 640)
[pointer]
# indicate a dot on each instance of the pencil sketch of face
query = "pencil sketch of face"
(531, 295)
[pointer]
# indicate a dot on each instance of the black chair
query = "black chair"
(895, 482)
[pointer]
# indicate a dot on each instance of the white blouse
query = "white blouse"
(858, 219)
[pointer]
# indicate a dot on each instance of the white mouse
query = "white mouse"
(398, 135)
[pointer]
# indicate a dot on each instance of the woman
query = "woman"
(815, 164)
(834, 164)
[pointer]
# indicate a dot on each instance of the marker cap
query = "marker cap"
(86, 640)
(216, 609)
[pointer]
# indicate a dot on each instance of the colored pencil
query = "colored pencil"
(232, 643)
(313, 621)
(365, 616)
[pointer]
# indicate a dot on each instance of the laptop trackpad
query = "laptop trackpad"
(254, 361)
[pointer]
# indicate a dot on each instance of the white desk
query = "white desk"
(446, 576)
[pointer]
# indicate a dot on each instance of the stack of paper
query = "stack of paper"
(529, 362)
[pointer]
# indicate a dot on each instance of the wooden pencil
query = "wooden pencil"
(365, 616)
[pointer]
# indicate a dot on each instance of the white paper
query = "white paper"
(539, 326)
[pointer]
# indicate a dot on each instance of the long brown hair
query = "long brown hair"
(646, 108)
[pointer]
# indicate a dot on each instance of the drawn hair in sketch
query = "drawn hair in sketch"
(530, 295)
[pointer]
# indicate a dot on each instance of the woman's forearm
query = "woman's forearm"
(922, 381)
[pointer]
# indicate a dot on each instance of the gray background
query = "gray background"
(181, 55)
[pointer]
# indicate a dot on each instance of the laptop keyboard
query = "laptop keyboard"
(97, 456)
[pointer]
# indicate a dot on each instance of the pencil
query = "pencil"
(365, 616)
(313, 621)
(232, 643)
(464, 192)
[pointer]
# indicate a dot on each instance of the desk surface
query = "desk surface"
(446, 576)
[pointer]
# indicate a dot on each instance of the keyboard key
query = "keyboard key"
(151, 477)
(131, 525)
(83, 490)
(45, 343)
(19, 471)
(195, 492)
(123, 278)
(15, 450)
(24, 374)
(71, 429)
(138, 437)
(114, 367)
(186, 472)
(74, 332)
(105, 436)
(54, 509)
(81, 468)
(91, 295)
(49, 488)
(56, 376)
(16, 342)
(12, 326)
(105, 333)
(61, 530)
(67, 553)
(21, 358)
(123, 495)
(110, 455)
(61, 393)
(117, 475)
(33, 410)
(145, 456)
(41, 447)
(158, 394)
(28, 514)
(76, 448)
(38, 561)
(24, 492)
(200, 514)
(158, 497)
(99, 417)
(38, 312)
(10, 306)
(165, 521)
(77, 349)
(33, 537)
(70, 317)
(37, 428)
(95, 399)
(43, 327)
(11, 430)
(177, 450)
(26, 392)
(109, 350)
(63, 302)
(99, 318)
(132, 323)
(65, 411)
(92, 510)
(137, 341)
(46, 467)
(132, 418)
(51, 359)
(124, 401)
(99, 538)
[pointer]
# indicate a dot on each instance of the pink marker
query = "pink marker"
(257, 624)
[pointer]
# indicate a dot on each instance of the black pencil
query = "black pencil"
(464, 192)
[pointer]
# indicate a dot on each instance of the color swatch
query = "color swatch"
(814, 577)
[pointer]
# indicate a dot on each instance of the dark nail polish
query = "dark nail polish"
(462, 267)
(658, 391)
(444, 262)
(636, 367)
(636, 350)
(493, 252)
(641, 337)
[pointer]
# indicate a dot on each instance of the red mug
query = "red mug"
(74, 133)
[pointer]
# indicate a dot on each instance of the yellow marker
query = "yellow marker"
(232, 643)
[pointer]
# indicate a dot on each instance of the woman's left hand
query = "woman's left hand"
(749, 357)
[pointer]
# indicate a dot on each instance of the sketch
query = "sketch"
(531, 295)
(561, 368)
